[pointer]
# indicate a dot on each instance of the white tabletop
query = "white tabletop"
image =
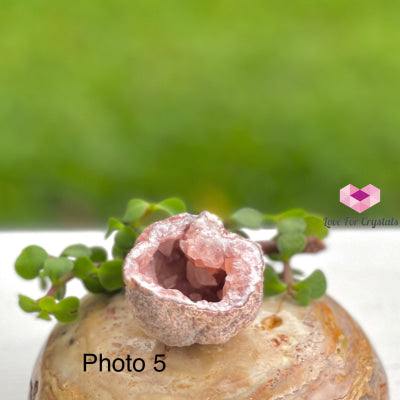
(362, 268)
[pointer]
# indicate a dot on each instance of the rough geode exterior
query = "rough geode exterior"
(170, 316)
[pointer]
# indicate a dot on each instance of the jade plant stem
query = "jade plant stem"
(313, 245)
(287, 273)
(67, 277)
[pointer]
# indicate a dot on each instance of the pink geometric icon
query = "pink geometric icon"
(360, 199)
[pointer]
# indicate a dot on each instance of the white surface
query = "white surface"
(362, 268)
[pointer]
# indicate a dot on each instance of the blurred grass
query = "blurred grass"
(265, 104)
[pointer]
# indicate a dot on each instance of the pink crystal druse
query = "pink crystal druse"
(191, 281)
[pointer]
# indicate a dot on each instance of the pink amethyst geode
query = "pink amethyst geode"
(189, 280)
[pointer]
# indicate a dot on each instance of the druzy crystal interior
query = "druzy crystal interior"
(174, 270)
(191, 281)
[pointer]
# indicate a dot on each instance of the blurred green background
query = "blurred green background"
(264, 104)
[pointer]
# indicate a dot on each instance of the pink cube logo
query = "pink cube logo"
(360, 199)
